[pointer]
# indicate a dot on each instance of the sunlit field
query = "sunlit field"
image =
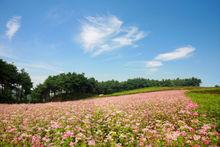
(109, 73)
(155, 118)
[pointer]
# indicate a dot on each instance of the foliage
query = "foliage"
(15, 85)
(75, 86)
(64, 87)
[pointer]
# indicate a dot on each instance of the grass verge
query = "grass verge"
(208, 100)
(141, 90)
(150, 89)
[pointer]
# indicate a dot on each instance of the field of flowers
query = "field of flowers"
(157, 118)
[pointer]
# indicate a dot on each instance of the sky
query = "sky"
(113, 39)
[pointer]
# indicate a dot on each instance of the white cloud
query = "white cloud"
(105, 33)
(178, 53)
(12, 26)
(154, 64)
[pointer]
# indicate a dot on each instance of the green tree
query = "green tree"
(15, 85)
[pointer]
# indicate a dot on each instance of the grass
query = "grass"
(141, 90)
(149, 89)
(208, 100)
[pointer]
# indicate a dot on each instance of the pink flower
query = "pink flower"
(206, 142)
(12, 130)
(35, 140)
(191, 106)
(55, 125)
(202, 132)
(46, 139)
(67, 134)
(191, 129)
(72, 144)
(173, 136)
(19, 138)
(196, 137)
(25, 122)
(195, 114)
(183, 133)
(206, 127)
(91, 142)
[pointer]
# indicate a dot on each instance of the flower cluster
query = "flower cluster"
(157, 118)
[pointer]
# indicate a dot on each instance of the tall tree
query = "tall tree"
(15, 85)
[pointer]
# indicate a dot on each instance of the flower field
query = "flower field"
(156, 118)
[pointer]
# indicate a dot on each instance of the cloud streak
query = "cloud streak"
(105, 33)
(177, 54)
(12, 26)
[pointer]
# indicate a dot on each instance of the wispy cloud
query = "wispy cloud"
(178, 53)
(105, 33)
(12, 26)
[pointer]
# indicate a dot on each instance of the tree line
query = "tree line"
(16, 85)
(71, 86)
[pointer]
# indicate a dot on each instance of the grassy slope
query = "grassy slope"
(209, 102)
(149, 89)
(141, 90)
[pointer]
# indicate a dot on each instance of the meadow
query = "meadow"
(166, 117)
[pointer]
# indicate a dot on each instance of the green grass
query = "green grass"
(150, 89)
(208, 100)
(141, 90)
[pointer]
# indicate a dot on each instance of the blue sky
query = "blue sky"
(113, 39)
